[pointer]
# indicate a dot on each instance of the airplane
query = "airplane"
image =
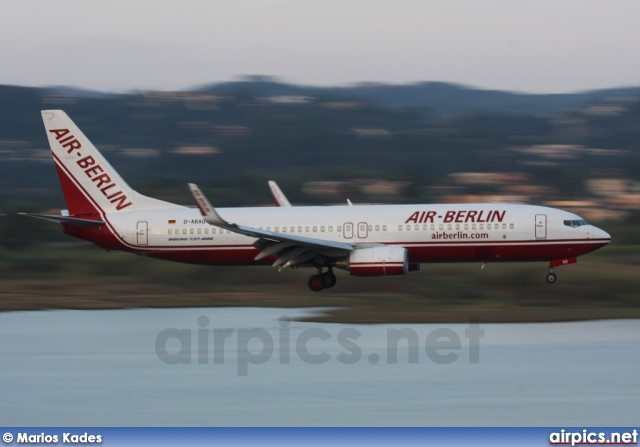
(365, 240)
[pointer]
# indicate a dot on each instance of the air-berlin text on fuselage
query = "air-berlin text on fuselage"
(92, 170)
(459, 216)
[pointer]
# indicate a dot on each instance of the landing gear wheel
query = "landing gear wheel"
(551, 278)
(330, 280)
(316, 283)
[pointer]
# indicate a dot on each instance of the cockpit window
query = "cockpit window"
(575, 223)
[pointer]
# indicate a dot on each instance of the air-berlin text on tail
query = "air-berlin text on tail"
(457, 216)
(92, 170)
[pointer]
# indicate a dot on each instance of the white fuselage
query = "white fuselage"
(430, 233)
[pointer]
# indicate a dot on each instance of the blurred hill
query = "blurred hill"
(436, 98)
(371, 143)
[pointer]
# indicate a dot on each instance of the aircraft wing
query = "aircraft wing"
(67, 219)
(289, 248)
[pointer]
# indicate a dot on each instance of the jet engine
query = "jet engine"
(380, 260)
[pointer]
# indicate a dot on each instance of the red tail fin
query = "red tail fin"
(77, 204)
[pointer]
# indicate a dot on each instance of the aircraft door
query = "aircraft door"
(363, 230)
(348, 230)
(142, 233)
(541, 226)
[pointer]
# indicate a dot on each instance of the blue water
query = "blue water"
(158, 367)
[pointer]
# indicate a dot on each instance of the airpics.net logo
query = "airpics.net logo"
(206, 344)
(591, 437)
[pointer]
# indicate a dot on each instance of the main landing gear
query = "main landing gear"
(322, 280)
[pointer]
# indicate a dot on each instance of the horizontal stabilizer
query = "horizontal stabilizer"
(67, 219)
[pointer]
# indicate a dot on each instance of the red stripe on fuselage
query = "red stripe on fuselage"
(523, 252)
(244, 255)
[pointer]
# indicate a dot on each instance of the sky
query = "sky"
(534, 46)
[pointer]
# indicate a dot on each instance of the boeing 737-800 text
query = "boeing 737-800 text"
(365, 240)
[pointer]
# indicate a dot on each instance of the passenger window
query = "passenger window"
(284, 229)
(276, 229)
(482, 226)
(191, 231)
(268, 228)
(299, 229)
(433, 227)
(384, 228)
(184, 231)
(292, 229)
(370, 228)
(441, 227)
(417, 227)
(315, 229)
(199, 230)
(306, 229)
(377, 227)
(206, 231)
(457, 226)
(339, 229)
(449, 227)
(473, 226)
(322, 229)
(504, 226)
(170, 231)
(408, 227)
(399, 227)
(466, 226)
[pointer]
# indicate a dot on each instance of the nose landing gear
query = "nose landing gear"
(551, 277)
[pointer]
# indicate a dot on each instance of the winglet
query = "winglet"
(208, 212)
(278, 195)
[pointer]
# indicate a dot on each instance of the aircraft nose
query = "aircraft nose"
(597, 233)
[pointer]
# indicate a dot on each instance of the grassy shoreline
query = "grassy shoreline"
(603, 285)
